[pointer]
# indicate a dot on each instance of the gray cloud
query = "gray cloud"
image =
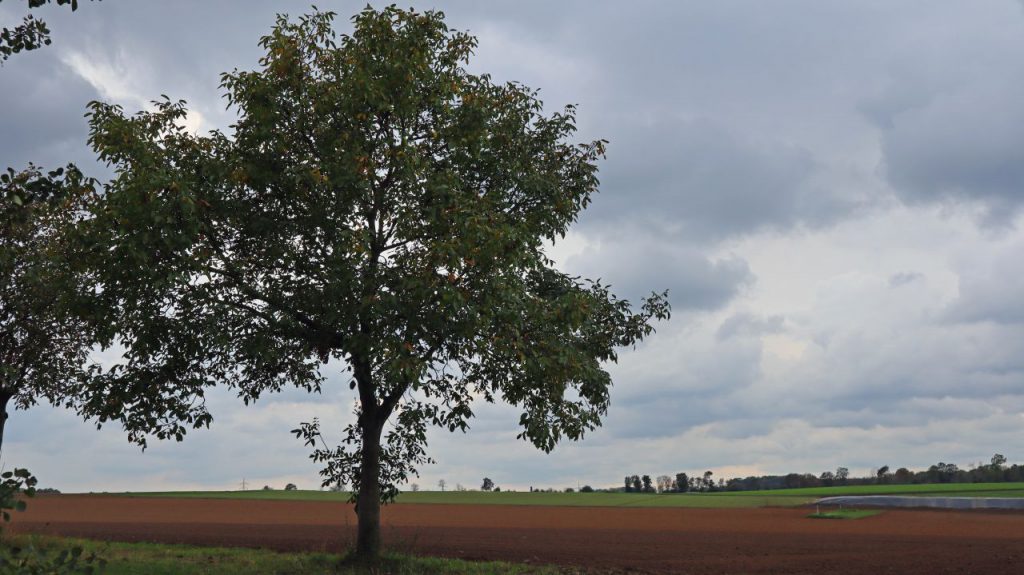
(961, 145)
(903, 278)
(990, 291)
(699, 180)
(638, 265)
(748, 324)
(43, 104)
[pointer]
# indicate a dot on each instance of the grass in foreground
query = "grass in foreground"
(162, 559)
(845, 514)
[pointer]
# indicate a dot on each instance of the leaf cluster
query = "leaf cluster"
(43, 344)
(31, 560)
(15, 485)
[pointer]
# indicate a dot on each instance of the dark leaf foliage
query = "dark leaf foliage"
(15, 485)
(376, 205)
(43, 346)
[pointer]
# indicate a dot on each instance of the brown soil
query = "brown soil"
(769, 540)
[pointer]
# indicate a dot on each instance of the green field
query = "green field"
(779, 497)
(845, 514)
(711, 500)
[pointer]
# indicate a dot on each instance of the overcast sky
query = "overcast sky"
(831, 190)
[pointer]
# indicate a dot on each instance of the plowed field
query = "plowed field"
(761, 540)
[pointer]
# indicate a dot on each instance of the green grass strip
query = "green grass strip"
(163, 559)
(728, 499)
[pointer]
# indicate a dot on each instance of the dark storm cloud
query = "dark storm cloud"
(43, 105)
(671, 86)
(698, 180)
(949, 109)
(637, 265)
(964, 144)
(672, 93)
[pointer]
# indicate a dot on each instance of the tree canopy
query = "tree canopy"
(43, 347)
(374, 204)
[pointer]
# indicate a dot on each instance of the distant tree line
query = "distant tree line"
(995, 471)
(680, 483)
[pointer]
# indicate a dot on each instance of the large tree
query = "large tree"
(43, 347)
(377, 205)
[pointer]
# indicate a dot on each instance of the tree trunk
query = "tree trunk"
(5, 397)
(368, 539)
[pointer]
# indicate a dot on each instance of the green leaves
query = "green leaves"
(43, 344)
(32, 560)
(14, 485)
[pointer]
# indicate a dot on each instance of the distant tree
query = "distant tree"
(942, 473)
(707, 483)
(586, 489)
(414, 487)
(628, 484)
(903, 475)
(267, 488)
(460, 487)
(637, 485)
(882, 475)
(487, 484)
(827, 478)
(290, 487)
(842, 475)
(682, 483)
(734, 484)
(998, 461)
(648, 486)
(949, 472)
(497, 489)
(570, 490)
(442, 483)
(664, 483)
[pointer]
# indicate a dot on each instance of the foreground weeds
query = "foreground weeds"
(163, 559)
